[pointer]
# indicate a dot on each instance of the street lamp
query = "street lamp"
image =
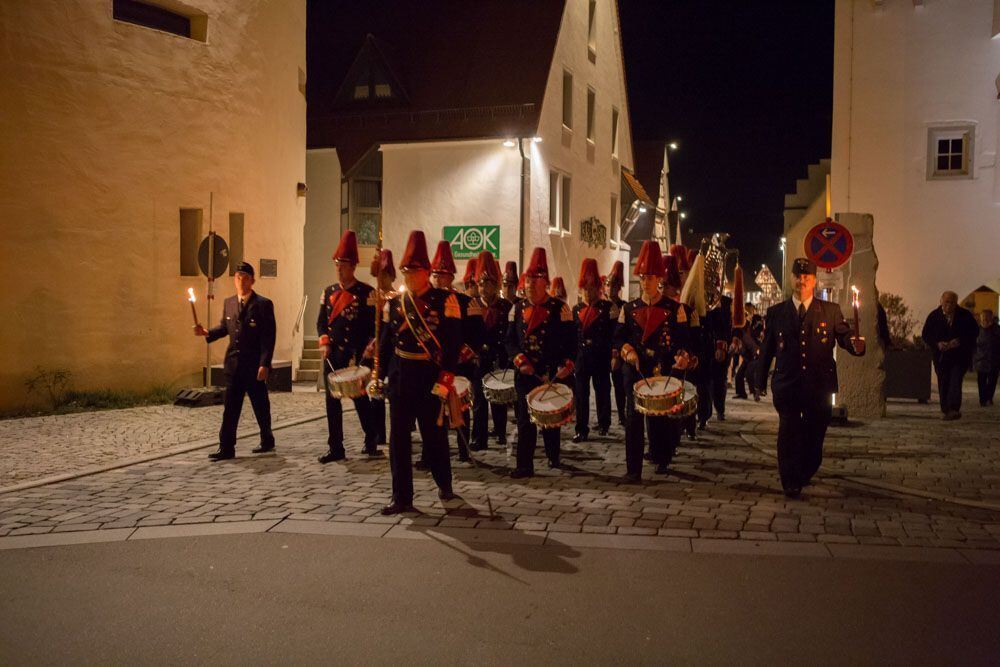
(783, 245)
(673, 145)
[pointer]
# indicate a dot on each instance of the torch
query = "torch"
(191, 300)
(856, 302)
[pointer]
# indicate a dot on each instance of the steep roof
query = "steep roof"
(462, 70)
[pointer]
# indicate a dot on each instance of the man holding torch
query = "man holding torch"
(248, 320)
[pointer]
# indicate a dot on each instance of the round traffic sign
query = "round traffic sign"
(829, 244)
(220, 258)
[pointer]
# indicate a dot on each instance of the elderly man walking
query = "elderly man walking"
(950, 331)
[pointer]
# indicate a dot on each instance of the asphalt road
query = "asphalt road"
(290, 599)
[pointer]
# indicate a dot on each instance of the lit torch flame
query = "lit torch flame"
(857, 296)
(191, 296)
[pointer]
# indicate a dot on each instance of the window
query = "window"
(567, 99)
(158, 17)
(592, 31)
(382, 90)
(614, 132)
(235, 241)
(190, 240)
(950, 151)
(553, 200)
(361, 92)
(616, 224)
(591, 110)
(564, 204)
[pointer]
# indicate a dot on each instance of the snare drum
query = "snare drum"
(350, 382)
(463, 389)
(661, 396)
(498, 387)
(551, 405)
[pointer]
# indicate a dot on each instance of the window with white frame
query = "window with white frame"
(950, 151)
(567, 118)
(614, 132)
(616, 223)
(591, 111)
(553, 201)
(559, 198)
(592, 31)
(564, 199)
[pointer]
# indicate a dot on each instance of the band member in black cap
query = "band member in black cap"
(422, 329)
(800, 335)
(248, 320)
(345, 325)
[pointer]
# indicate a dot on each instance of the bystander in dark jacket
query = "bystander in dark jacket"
(950, 331)
(986, 360)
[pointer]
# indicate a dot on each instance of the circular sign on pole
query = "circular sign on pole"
(829, 244)
(220, 259)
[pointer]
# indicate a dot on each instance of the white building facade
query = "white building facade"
(915, 121)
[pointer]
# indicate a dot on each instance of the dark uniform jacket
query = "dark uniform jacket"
(251, 335)
(346, 322)
(963, 327)
(595, 329)
(543, 335)
(657, 332)
(415, 369)
(472, 333)
(493, 346)
(751, 337)
(716, 331)
(803, 351)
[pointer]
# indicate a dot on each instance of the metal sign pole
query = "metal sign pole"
(209, 291)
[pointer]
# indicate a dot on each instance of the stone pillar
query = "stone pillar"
(862, 379)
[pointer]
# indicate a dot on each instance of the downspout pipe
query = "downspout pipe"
(525, 185)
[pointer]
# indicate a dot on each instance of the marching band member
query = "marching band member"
(443, 276)
(652, 337)
(510, 279)
(469, 279)
(594, 331)
(615, 282)
(558, 288)
(541, 342)
(422, 328)
(384, 272)
(345, 325)
(492, 352)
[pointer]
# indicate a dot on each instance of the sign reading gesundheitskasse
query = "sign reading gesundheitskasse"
(467, 241)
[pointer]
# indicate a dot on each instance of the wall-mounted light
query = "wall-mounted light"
(509, 143)
(536, 140)
(673, 145)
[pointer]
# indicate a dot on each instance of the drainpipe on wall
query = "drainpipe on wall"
(525, 188)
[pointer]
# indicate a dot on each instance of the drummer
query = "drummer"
(542, 342)
(653, 340)
(443, 272)
(422, 329)
(345, 325)
(492, 353)
(614, 283)
(594, 330)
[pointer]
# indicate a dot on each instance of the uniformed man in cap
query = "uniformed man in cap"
(422, 327)
(615, 282)
(594, 331)
(345, 325)
(248, 320)
(510, 278)
(653, 339)
(492, 352)
(799, 336)
(541, 340)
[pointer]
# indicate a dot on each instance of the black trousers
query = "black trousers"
(618, 383)
(378, 421)
(744, 377)
(240, 384)
(664, 433)
(712, 389)
(949, 378)
(527, 431)
(425, 408)
(366, 412)
(482, 410)
(803, 417)
(587, 373)
(987, 385)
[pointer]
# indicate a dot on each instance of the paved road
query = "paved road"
(283, 599)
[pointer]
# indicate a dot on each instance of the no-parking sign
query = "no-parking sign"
(829, 244)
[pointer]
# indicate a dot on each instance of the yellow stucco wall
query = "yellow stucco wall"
(107, 129)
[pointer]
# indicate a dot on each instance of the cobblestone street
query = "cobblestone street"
(909, 480)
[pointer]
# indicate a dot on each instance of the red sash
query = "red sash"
(649, 318)
(534, 316)
(588, 315)
(337, 303)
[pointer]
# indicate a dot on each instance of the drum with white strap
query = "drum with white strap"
(498, 387)
(350, 382)
(661, 396)
(551, 405)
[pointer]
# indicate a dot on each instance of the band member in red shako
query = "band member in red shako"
(652, 338)
(594, 332)
(542, 341)
(510, 278)
(614, 284)
(345, 326)
(422, 327)
(492, 352)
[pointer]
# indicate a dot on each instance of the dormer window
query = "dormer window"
(383, 91)
(361, 92)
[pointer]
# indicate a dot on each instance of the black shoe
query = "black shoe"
(502, 440)
(521, 473)
(579, 437)
(332, 456)
(420, 465)
(477, 447)
(721, 418)
(663, 469)
(692, 437)
(372, 451)
(394, 508)
(464, 458)
(648, 456)
(495, 434)
(222, 455)
(740, 396)
(632, 478)
(263, 449)
(446, 495)
(554, 464)
(756, 398)
(602, 431)
(793, 491)
(701, 426)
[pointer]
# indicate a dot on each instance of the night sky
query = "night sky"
(746, 89)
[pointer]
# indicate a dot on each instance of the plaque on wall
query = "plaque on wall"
(268, 268)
